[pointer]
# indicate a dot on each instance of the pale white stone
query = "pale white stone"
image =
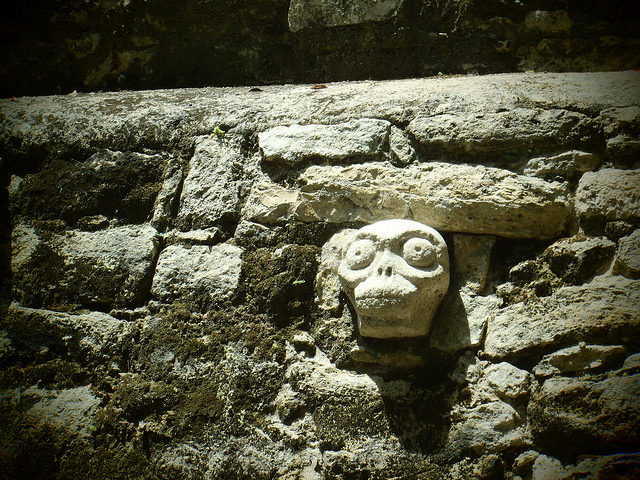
(72, 409)
(579, 359)
(395, 272)
(304, 14)
(211, 188)
(609, 193)
(508, 381)
(547, 468)
(471, 259)
(462, 198)
(327, 284)
(204, 236)
(601, 310)
(364, 139)
(627, 260)
(565, 164)
(14, 185)
(197, 270)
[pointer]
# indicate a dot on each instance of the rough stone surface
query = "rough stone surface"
(400, 148)
(515, 131)
(623, 150)
(598, 414)
(331, 13)
(602, 310)
(211, 188)
(199, 270)
(548, 21)
(112, 266)
(628, 256)
(608, 195)
(580, 359)
(461, 198)
(570, 164)
(577, 259)
(472, 256)
(363, 139)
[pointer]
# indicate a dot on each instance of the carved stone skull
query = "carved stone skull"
(395, 272)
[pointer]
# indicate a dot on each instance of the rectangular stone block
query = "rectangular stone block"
(363, 139)
(331, 13)
(459, 198)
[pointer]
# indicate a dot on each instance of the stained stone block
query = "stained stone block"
(471, 259)
(111, 266)
(197, 271)
(331, 13)
(363, 139)
(210, 190)
(579, 359)
(462, 198)
(604, 310)
(628, 257)
(567, 164)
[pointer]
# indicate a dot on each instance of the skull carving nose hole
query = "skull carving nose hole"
(386, 271)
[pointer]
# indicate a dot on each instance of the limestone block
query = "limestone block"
(327, 284)
(507, 381)
(628, 256)
(623, 466)
(624, 150)
(567, 164)
(609, 194)
(199, 270)
(579, 359)
(93, 334)
(471, 259)
(576, 413)
(577, 259)
(516, 130)
(395, 272)
(604, 310)
(363, 139)
(304, 14)
(72, 409)
(546, 21)
(167, 197)
(111, 266)
(210, 190)
(463, 198)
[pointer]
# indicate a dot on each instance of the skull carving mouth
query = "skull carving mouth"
(395, 272)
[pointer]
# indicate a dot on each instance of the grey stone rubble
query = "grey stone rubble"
(230, 345)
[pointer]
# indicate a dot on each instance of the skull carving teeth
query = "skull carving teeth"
(395, 272)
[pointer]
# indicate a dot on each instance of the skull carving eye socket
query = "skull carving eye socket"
(360, 254)
(419, 252)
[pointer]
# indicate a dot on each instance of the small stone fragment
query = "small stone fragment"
(628, 257)
(579, 359)
(167, 200)
(547, 468)
(509, 382)
(624, 150)
(400, 148)
(363, 139)
(568, 164)
(197, 271)
(327, 284)
(546, 21)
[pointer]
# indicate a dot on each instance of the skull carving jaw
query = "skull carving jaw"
(395, 272)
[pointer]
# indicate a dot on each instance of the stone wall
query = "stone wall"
(171, 308)
(51, 47)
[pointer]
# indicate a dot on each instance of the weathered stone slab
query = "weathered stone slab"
(363, 139)
(111, 266)
(512, 131)
(578, 414)
(628, 256)
(331, 13)
(400, 149)
(567, 164)
(463, 198)
(604, 310)
(88, 333)
(546, 21)
(608, 195)
(471, 259)
(578, 359)
(114, 184)
(197, 271)
(210, 190)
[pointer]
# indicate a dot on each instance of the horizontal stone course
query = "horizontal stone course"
(460, 198)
